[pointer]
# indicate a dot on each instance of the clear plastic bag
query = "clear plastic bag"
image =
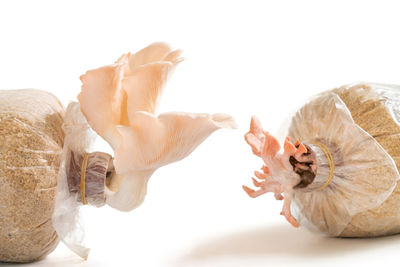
(31, 141)
(40, 145)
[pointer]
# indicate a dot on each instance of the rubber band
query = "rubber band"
(83, 178)
(328, 155)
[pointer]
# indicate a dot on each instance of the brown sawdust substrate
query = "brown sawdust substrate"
(31, 140)
(372, 116)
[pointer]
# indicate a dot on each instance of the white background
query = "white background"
(243, 58)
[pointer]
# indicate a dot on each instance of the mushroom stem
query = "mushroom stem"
(131, 192)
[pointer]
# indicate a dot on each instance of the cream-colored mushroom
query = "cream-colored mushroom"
(119, 102)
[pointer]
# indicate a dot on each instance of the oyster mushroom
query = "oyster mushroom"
(119, 102)
(280, 170)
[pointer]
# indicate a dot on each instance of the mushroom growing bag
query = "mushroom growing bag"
(340, 176)
(48, 168)
(31, 141)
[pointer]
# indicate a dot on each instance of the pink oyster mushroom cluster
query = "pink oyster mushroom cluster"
(277, 173)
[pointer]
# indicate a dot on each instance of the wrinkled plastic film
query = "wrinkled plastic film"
(365, 174)
(67, 219)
